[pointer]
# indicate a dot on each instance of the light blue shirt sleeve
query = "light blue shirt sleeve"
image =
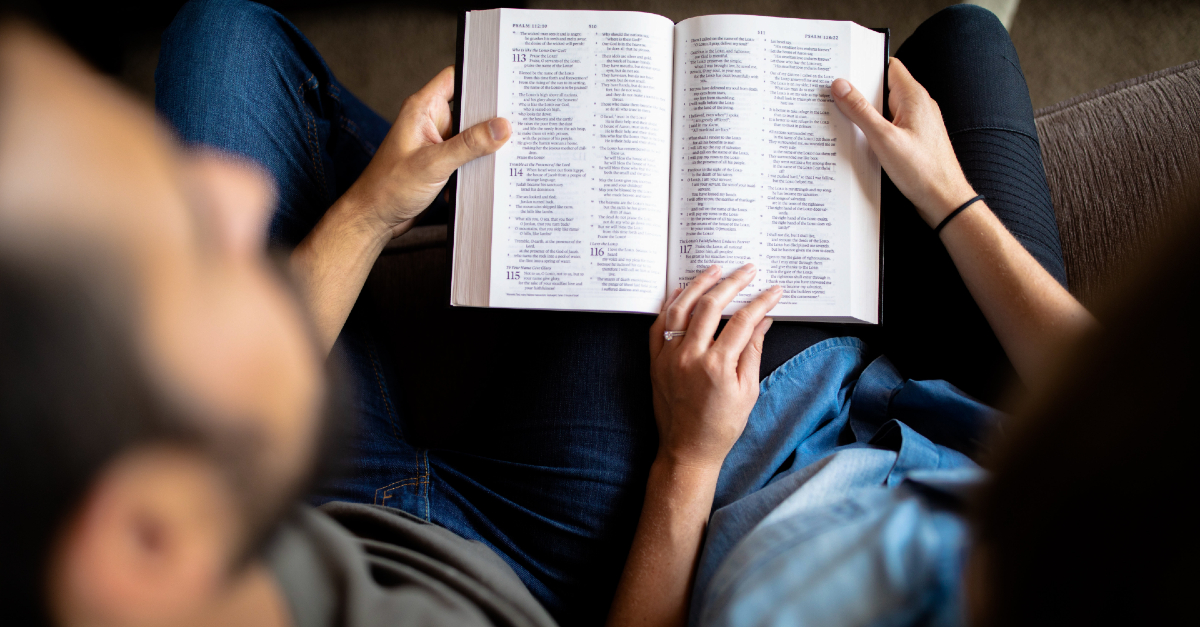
(830, 511)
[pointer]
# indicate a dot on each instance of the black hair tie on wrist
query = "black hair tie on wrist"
(963, 207)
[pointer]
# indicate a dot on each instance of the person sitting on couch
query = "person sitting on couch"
(163, 405)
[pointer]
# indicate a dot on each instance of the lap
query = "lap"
(544, 419)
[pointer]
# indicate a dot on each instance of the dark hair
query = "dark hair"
(72, 396)
(1085, 519)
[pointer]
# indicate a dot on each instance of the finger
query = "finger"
(660, 323)
(707, 315)
(906, 93)
(441, 92)
(855, 106)
(430, 103)
(479, 140)
(750, 362)
(900, 80)
(679, 313)
(741, 325)
(442, 85)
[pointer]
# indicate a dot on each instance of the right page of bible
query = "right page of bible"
(765, 169)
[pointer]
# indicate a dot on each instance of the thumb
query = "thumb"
(479, 140)
(751, 358)
(855, 106)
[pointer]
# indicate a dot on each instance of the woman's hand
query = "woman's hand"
(704, 389)
(417, 156)
(914, 148)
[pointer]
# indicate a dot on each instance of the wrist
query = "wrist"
(946, 202)
(357, 218)
(684, 470)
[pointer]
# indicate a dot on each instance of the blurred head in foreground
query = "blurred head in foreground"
(160, 393)
(1085, 519)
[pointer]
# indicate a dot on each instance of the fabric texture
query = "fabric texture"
(549, 415)
(810, 525)
(931, 327)
(1118, 161)
(351, 565)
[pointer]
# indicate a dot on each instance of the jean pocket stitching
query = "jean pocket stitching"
(390, 488)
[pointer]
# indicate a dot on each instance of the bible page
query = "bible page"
(581, 190)
(767, 170)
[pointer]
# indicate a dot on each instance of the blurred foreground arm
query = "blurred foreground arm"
(411, 166)
(1031, 314)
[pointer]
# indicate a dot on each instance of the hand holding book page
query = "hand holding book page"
(765, 168)
(644, 152)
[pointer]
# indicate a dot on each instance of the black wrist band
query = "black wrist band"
(961, 208)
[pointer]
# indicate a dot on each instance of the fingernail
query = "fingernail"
(712, 270)
(748, 268)
(841, 87)
(499, 128)
(776, 289)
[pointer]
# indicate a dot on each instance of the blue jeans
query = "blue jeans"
(553, 425)
(548, 414)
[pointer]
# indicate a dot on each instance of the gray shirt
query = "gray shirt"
(363, 565)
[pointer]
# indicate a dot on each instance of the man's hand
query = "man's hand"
(417, 157)
(914, 148)
(409, 169)
(704, 389)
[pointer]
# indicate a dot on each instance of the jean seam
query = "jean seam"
(425, 454)
(314, 145)
(393, 419)
(346, 124)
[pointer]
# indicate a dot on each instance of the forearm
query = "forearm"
(331, 264)
(655, 586)
(1033, 316)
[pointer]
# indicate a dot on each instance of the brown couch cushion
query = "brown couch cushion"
(1118, 160)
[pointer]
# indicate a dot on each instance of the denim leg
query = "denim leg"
(238, 76)
(553, 435)
(550, 422)
(932, 328)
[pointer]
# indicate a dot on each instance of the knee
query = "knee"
(215, 53)
(231, 37)
(965, 23)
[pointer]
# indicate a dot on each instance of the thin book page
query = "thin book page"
(766, 169)
(581, 190)
(473, 216)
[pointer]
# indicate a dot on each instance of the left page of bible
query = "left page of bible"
(581, 193)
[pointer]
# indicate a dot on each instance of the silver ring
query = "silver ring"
(670, 335)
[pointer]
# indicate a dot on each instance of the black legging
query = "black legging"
(931, 327)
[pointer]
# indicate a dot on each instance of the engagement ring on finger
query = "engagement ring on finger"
(670, 335)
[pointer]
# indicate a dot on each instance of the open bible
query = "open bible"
(645, 151)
